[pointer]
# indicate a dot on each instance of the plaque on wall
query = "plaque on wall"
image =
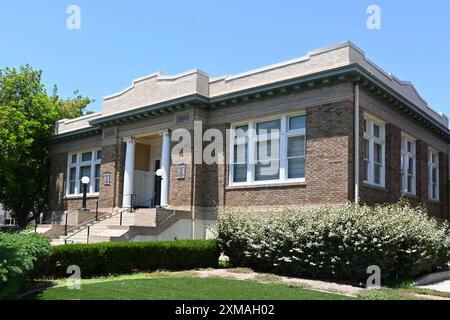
(106, 178)
(181, 171)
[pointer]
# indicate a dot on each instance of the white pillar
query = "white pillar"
(165, 167)
(128, 178)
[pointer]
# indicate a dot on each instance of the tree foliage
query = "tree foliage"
(27, 119)
(75, 107)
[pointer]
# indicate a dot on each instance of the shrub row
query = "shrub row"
(336, 242)
(21, 256)
(127, 257)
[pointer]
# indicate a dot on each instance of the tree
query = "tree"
(71, 108)
(27, 119)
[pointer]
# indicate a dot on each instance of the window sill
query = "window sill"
(375, 187)
(80, 196)
(410, 195)
(265, 185)
(435, 201)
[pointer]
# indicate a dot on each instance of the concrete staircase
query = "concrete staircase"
(108, 228)
(141, 224)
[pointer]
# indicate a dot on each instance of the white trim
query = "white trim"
(432, 165)
(251, 140)
(77, 165)
(404, 165)
(381, 140)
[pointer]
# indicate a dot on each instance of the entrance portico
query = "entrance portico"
(146, 171)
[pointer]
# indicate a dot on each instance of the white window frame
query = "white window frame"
(285, 133)
(404, 164)
(79, 163)
(432, 165)
(369, 135)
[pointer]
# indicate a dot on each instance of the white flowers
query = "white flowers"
(336, 242)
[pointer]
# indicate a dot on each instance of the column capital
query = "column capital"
(129, 140)
(163, 132)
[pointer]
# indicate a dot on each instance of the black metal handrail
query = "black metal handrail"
(151, 200)
(58, 217)
(89, 223)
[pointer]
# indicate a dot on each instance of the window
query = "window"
(86, 163)
(268, 150)
(374, 150)
(408, 165)
(433, 175)
(272, 150)
(240, 151)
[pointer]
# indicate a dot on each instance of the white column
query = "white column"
(165, 167)
(128, 178)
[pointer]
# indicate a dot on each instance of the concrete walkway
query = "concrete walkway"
(347, 290)
(443, 286)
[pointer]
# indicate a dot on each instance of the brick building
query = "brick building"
(347, 130)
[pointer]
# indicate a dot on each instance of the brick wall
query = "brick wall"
(329, 159)
(57, 189)
(329, 172)
(397, 123)
(113, 159)
(328, 164)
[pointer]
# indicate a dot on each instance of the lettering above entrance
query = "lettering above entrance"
(109, 133)
(183, 117)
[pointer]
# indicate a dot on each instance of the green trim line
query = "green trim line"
(352, 72)
(150, 111)
(85, 132)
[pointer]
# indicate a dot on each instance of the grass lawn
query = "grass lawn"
(182, 288)
(187, 285)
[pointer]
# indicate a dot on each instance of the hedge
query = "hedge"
(126, 257)
(21, 256)
(336, 242)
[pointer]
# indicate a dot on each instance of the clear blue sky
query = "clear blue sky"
(123, 40)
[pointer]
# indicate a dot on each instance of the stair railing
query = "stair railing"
(89, 223)
(55, 218)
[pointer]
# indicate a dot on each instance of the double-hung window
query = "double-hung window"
(240, 154)
(269, 151)
(433, 175)
(408, 165)
(81, 164)
(374, 151)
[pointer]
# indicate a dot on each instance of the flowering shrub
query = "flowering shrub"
(335, 242)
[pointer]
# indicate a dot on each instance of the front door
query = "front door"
(157, 195)
(142, 182)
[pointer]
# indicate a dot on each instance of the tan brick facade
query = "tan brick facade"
(329, 157)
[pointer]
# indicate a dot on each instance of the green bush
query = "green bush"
(21, 256)
(335, 242)
(127, 257)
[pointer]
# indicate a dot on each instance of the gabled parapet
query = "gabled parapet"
(157, 88)
(147, 95)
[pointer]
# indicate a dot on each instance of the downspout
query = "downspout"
(356, 134)
(193, 178)
(448, 180)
